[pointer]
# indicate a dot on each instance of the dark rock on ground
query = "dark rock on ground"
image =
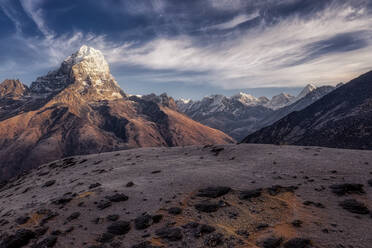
(143, 222)
(297, 243)
(130, 184)
(214, 192)
(49, 183)
(370, 182)
(117, 197)
(73, 216)
(276, 189)
(157, 218)
(119, 228)
(94, 185)
(347, 188)
(175, 210)
(62, 200)
(169, 233)
(113, 217)
(249, 194)
(21, 238)
(105, 237)
(271, 242)
(104, 204)
(22, 220)
(354, 206)
(207, 207)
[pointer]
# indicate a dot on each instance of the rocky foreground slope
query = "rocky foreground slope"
(225, 196)
(80, 109)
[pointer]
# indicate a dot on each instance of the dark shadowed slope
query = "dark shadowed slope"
(343, 119)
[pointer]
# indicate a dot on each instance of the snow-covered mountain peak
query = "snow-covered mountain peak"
(308, 88)
(91, 60)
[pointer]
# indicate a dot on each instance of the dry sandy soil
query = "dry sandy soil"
(225, 196)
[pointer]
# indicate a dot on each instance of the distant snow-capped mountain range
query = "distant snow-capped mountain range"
(243, 113)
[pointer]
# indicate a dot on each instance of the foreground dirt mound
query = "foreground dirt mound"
(226, 196)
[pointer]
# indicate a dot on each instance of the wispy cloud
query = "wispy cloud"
(325, 48)
(235, 21)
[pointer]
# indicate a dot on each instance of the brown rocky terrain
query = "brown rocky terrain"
(213, 196)
(80, 109)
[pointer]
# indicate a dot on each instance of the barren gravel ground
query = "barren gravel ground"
(86, 201)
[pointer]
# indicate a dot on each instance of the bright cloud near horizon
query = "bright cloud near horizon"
(195, 47)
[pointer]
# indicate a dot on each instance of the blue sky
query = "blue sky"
(193, 48)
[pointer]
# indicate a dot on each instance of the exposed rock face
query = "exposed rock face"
(80, 109)
(12, 89)
(342, 118)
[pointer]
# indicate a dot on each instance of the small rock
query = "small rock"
(47, 242)
(73, 216)
(347, 188)
(21, 238)
(214, 192)
(94, 185)
(49, 183)
(175, 210)
(207, 207)
(171, 234)
(130, 184)
(354, 206)
(297, 243)
(249, 194)
(103, 204)
(119, 228)
(113, 217)
(143, 222)
(22, 220)
(117, 198)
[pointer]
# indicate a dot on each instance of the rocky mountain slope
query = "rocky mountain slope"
(80, 109)
(241, 196)
(243, 114)
(342, 118)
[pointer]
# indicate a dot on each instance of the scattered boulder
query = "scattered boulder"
(117, 197)
(297, 243)
(214, 192)
(49, 183)
(175, 211)
(157, 218)
(119, 228)
(270, 242)
(370, 182)
(129, 184)
(207, 207)
(105, 237)
(62, 200)
(21, 238)
(347, 188)
(22, 220)
(104, 204)
(169, 233)
(249, 194)
(73, 216)
(143, 222)
(354, 206)
(94, 185)
(315, 204)
(113, 217)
